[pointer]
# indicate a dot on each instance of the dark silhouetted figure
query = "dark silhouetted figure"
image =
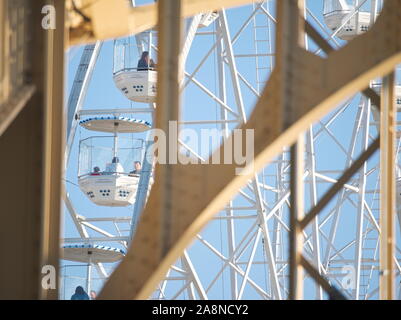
(80, 294)
(96, 171)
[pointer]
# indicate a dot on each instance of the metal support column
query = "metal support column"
(296, 214)
(387, 188)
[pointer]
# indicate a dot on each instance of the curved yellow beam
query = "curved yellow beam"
(113, 19)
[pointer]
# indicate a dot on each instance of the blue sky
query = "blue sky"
(102, 93)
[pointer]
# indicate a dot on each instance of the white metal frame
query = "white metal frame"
(267, 235)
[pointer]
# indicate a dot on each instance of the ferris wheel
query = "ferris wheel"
(228, 57)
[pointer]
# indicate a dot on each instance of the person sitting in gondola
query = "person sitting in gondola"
(96, 171)
(114, 167)
(145, 63)
(137, 168)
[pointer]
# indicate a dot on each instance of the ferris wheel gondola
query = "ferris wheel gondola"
(336, 15)
(115, 124)
(135, 76)
(139, 86)
(109, 172)
(88, 253)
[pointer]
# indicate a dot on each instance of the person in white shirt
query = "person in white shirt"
(114, 167)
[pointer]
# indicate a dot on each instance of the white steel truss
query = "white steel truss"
(243, 252)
